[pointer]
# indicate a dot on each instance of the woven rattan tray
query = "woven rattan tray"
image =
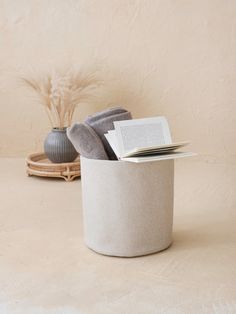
(39, 165)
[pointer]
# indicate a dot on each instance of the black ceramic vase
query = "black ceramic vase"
(58, 148)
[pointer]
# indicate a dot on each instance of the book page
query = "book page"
(139, 133)
(155, 149)
(112, 140)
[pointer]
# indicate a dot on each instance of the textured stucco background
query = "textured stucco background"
(157, 57)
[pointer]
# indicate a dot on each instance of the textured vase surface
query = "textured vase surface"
(58, 148)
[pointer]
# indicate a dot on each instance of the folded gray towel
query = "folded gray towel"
(104, 114)
(86, 141)
(103, 122)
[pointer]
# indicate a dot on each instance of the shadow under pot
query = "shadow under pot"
(58, 148)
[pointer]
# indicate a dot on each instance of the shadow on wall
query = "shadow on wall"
(122, 89)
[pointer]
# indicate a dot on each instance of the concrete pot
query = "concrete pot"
(58, 148)
(127, 207)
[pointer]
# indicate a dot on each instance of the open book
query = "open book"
(143, 140)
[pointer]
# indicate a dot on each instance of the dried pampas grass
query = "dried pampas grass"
(60, 94)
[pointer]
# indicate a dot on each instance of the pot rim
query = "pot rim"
(59, 129)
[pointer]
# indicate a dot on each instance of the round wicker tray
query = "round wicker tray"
(39, 165)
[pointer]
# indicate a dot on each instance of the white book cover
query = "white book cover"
(173, 155)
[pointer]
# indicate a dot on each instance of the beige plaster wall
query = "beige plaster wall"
(157, 57)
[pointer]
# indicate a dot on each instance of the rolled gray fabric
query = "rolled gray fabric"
(104, 114)
(86, 141)
(104, 123)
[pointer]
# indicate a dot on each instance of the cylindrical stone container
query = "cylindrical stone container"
(127, 207)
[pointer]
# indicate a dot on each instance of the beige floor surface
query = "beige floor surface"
(45, 267)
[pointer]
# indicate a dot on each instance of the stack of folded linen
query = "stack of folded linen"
(88, 137)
